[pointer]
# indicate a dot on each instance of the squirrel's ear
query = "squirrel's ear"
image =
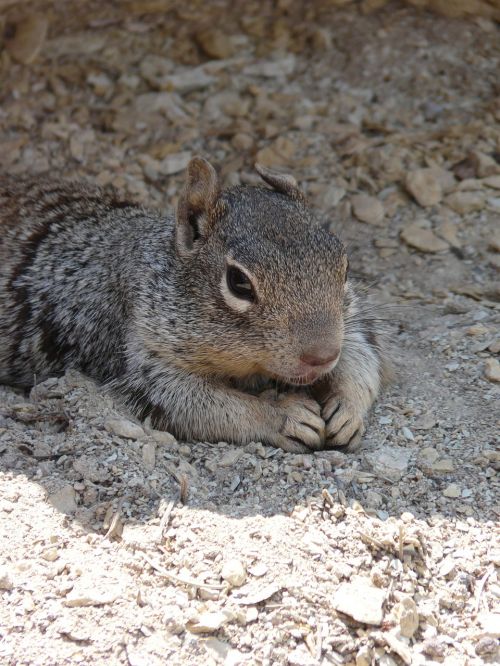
(198, 198)
(284, 183)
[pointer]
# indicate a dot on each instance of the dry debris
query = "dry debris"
(120, 545)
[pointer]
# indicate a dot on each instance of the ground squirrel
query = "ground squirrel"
(189, 318)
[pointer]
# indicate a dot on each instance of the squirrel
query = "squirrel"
(189, 318)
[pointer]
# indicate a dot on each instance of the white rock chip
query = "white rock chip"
(360, 600)
(124, 428)
(234, 573)
(209, 622)
(388, 462)
(272, 69)
(91, 592)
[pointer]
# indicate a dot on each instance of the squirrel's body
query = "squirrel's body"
(180, 316)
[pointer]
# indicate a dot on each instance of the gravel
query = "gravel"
(120, 545)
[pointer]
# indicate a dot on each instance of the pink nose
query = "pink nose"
(315, 360)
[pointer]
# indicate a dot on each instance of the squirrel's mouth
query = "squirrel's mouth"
(304, 378)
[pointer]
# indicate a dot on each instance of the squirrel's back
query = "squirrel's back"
(65, 289)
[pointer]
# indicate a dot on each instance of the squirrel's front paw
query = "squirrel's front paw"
(344, 421)
(301, 429)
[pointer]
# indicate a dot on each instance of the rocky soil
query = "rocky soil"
(119, 545)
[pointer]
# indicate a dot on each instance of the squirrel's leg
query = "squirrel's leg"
(349, 390)
(197, 408)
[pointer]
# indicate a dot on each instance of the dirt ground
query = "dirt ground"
(119, 545)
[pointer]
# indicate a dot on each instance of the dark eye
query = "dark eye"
(239, 284)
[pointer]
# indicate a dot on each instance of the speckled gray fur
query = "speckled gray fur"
(90, 281)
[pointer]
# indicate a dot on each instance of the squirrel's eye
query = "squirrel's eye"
(239, 284)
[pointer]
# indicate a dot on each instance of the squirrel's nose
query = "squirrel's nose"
(316, 358)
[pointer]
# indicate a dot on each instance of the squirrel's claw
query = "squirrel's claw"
(344, 423)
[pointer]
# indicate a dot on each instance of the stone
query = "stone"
(494, 204)
(422, 239)
(258, 569)
(407, 434)
(155, 70)
(494, 347)
(492, 181)
(424, 187)
(272, 69)
(234, 573)
(279, 153)
(167, 103)
(449, 233)
(174, 163)
(360, 600)
(443, 466)
(445, 178)
(149, 456)
(427, 456)
(331, 196)
(89, 591)
(368, 209)
(5, 579)
(101, 83)
(406, 614)
(494, 242)
(465, 202)
(434, 647)
(64, 500)
(50, 554)
(215, 43)
(124, 428)
(188, 80)
(477, 329)
(209, 622)
(492, 370)
(452, 491)
(29, 38)
(388, 462)
(242, 141)
(162, 437)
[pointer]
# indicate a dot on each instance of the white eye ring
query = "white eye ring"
(239, 297)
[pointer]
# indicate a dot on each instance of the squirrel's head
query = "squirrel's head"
(265, 282)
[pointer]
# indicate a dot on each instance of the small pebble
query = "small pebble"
(423, 185)
(234, 573)
(124, 428)
(422, 239)
(407, 434)
(492, 370)
(452, 491)
(368, 209)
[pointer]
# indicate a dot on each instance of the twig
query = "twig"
(164, 520)
(114, 521)
(482, 584)
(179, 579)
